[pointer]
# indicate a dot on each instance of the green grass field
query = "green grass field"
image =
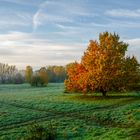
(74, 116)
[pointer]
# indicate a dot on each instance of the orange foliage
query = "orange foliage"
(76, 78)
(104, 67)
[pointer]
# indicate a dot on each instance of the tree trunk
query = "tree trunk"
(104, 93)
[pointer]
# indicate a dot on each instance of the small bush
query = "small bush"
(35, 81)
(38, 132)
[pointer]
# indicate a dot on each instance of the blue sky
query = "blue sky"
(56, 32)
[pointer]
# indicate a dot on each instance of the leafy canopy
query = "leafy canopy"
(104, 67)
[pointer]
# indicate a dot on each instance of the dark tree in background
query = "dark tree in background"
(56, 74)
(9, 74)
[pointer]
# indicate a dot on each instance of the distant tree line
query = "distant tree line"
(9, 74)
(36, 78)
(56, 74)
(41, 77)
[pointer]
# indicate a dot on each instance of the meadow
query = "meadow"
(73, 116)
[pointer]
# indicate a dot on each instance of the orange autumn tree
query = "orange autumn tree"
(76, 77)
(105, 67)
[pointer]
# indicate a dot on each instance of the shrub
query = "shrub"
(38, 132)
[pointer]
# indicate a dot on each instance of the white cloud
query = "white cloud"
(123, 13)
(14, 36)
(134, 42)
(24, 49)
(134, 47)
(36, 19)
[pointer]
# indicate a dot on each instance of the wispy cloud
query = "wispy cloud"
(36, 19)
(10, 23)
(14, 19)
(65, 12)
(23, 48)
(42, 17)
(123, 13)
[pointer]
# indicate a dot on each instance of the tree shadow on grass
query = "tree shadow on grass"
(110, 97)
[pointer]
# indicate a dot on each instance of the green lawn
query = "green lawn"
(74, 116)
